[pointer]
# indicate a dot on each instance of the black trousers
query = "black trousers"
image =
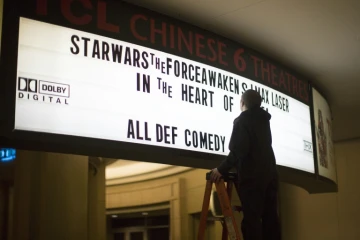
(260, 208)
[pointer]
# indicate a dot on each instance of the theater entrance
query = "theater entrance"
(148, 225)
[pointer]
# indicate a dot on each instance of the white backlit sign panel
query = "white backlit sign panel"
(76, 83)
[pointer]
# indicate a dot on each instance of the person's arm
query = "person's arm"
(239, 147)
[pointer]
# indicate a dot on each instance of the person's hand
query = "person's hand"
(215, 175)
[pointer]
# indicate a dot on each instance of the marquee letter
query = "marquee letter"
(239, 61)
(41, 7)
(133, 26)
(102, 24)
(66, 11)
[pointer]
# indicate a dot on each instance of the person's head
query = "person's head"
(250, 99)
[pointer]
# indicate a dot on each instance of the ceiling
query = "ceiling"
(125, 171)
(125, 168)
(318, 38)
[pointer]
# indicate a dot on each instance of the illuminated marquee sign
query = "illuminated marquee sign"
(76, 83)
(130, 83)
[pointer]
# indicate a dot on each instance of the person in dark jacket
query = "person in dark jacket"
(251, 153)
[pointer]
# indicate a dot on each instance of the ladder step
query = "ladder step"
(230, 229)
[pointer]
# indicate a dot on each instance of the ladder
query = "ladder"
(228, 220)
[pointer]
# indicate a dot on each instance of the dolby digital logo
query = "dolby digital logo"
(43, 91)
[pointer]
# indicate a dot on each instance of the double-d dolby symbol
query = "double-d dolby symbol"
(27, 85)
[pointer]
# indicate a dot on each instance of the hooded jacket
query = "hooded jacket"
(250, 146)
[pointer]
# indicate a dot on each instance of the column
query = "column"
(178, 212)
(3, 210)
(96, 200)
(50, 196)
